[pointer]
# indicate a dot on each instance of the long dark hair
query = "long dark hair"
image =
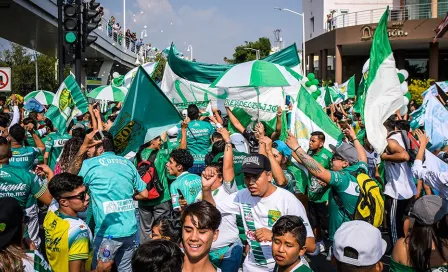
(71, 148)
(420, 242)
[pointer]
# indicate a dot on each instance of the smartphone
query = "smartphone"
(180, 194)
(288, 100)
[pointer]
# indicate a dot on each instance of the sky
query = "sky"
(212, 27)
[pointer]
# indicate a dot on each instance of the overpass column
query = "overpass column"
(338, 67)
(434, 61)
(310, 63)
(104, 72)
(321, 64)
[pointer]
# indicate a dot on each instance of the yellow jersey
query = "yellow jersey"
(66, 239)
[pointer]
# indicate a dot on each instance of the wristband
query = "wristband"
(354, 140)
(228, 143)
(295, 150)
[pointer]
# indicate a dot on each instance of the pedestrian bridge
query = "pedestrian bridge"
(33, 24)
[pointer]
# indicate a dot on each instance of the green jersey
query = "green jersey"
(238, 158)
(187, 184)
(54, 145)
(163, 156)
(198, 139)
(301, 267)
(316, 192)
(344, 184)
(290, 181)
(24, 157)
(20, 184)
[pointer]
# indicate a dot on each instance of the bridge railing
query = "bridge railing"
(117, 38)
(408, 12)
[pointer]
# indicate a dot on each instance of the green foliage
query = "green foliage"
(242, 54)
(23, 73)
(417, 87)
(158, 73)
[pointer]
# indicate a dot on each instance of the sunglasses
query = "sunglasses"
(337, 158)
(81, 196)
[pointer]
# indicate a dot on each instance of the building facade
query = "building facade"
(343, 46)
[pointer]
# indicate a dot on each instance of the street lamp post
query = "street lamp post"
(303, 35)
(190, 49)
(257, 52)
(124, 24)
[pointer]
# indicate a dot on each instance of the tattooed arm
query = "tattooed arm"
(315, 168)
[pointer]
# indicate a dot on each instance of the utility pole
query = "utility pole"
(61, 62)
(78, 55)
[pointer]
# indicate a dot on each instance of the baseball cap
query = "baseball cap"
(358, 243)
(282, 148)
(11, 218)
(79, 125)
(346, 151)
(429, 209)
(239, 142)
(172, 132)
(255, 164)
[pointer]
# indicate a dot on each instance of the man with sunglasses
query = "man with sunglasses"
(68, 240)
(260, 205)
(347, 162)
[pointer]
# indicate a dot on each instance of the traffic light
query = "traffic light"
(71, 26)
(90, 20)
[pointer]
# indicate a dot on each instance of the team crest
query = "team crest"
(273, 215)
(66, 101)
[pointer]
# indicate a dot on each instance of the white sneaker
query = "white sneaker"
(320, 247)
(329, 254)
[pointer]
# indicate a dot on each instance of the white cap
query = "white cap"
(358, 243)
(240, 142)
(172, 132)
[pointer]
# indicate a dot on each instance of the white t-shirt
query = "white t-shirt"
(400, 183)
(228, 230)
(262, 213)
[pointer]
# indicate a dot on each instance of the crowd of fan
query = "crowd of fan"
(214, 195)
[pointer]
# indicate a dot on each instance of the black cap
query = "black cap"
(11, 218)
(255, 164)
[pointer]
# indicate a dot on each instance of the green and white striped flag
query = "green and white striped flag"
(307, 117)
(348, 88)
(67, 103)
(383, 93)
(334, 94)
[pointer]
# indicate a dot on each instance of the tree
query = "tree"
(23, 74)
(242, 54)
(158, 73)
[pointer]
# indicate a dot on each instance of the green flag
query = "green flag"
(348, 88)
(68, 101)
(146, 113)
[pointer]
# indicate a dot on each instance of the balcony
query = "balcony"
(409, 12)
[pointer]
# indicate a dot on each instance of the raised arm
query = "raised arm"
(217, 116)
(92, 117)
(36, 138)
(183, 139)
(228, 173)
(277, 171)
(313, 167)
(278, 126)
(234, 121)
(350, 132)
(76, 163)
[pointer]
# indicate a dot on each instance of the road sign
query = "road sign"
(5, 79)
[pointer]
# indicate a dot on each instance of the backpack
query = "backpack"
(370, 205)
(148, 173)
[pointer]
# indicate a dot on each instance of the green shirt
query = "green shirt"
(163, 156)
(316, 192)
(360, 135)
(238, 158)
(35, 262)
(112, 181)
(290, 181)
(301, 267)
(20, 184)
(24, 157)
(189, 185)
(344, 183)
(198, 139)
(54, 145)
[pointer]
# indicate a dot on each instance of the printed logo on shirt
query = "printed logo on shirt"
(251, 235)
(118, 206)
(106, 162)
(15, 153)
(273, 215)
(60, 142)
(4, 174)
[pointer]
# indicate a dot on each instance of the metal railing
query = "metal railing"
(409, 12)
(116, 37)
